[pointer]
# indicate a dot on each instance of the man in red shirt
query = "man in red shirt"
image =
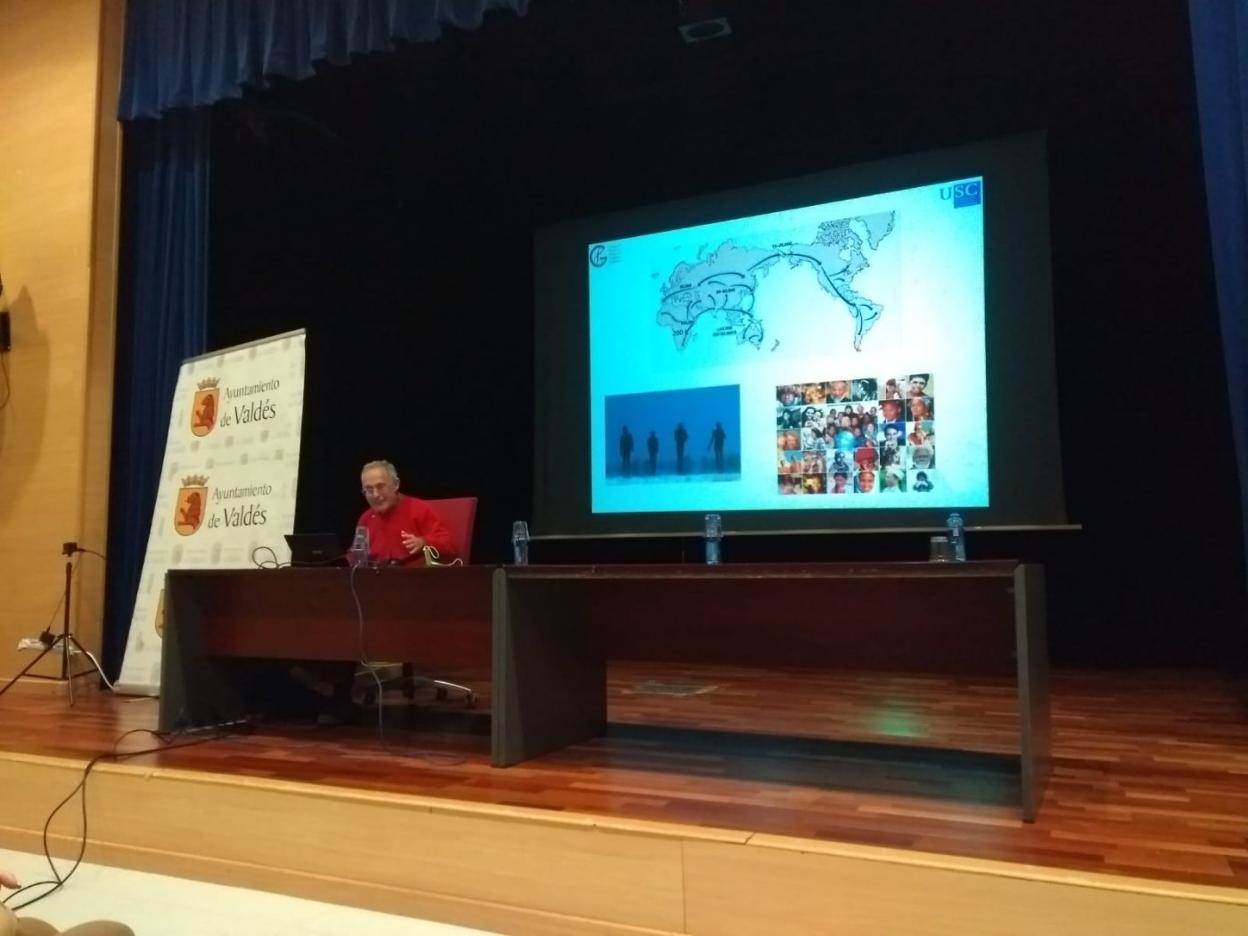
(400, 527)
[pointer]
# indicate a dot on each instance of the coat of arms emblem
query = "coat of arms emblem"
(204, 406)
(191, 505)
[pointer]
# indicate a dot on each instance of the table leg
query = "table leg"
(1031, 641)
(550, 669)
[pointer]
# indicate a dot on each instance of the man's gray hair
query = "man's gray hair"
(386, 466)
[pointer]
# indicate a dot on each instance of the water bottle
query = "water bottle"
(358, 554)
(957, 537)
(714, 533)
(520, 543)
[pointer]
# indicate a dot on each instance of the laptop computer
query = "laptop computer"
(322, 549)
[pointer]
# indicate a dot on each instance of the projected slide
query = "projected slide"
(825, 357)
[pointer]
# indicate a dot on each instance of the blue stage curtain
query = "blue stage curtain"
(163, 318)
(181, 55)
(1220, 54)
(187, 53)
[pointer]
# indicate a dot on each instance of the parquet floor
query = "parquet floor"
(1150, 775)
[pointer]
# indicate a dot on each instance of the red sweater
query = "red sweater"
(408, 515)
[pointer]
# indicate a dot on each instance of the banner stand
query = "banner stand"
(228, 481)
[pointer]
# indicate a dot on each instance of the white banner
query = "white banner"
(227, 488)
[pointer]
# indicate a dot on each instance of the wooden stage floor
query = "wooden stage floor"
(1150, 773)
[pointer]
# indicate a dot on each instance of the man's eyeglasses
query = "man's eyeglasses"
(375, 488)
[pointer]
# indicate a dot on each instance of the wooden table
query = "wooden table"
(437, 617)
(546, 632)
(556, 626)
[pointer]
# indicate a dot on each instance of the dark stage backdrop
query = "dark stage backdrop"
(389, 208)
(1220, 50)
(180, 56)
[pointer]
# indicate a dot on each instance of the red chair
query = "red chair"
(459, 514)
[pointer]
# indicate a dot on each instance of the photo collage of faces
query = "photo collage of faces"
(864, 436)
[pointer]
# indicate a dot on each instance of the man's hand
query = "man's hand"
(413, 544)
(8, 879)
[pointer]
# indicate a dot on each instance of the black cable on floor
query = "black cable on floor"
(58, 880)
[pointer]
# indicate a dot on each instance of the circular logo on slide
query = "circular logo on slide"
(598, 255)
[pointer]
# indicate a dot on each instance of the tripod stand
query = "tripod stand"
(65, 640)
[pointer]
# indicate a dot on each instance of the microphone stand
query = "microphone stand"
(65, 640)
